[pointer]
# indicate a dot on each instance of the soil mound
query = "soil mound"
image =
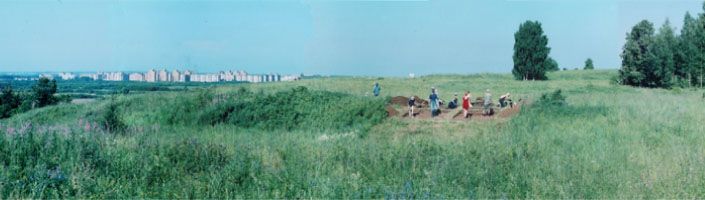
(421, 110)
(511, 111)
(404, 101)
(426, 114)
(391, 111)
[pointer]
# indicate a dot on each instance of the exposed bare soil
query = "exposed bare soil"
(422, 111)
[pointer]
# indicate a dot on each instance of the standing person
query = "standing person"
(466, 103)
(487, 109)
(411, 106)
(376, 89)
(434, 102)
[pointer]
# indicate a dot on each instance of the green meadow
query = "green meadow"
(323, 138)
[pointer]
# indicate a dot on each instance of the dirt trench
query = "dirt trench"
(422, 111)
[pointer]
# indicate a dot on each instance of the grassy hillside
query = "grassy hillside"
(607, 142)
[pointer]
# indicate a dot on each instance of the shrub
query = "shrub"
(556, 98)
(111, 117)
(298, 108)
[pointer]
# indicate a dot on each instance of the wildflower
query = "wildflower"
(66, 132)
(80, 122)
(88, 126)
(10, 130)
(26, 126)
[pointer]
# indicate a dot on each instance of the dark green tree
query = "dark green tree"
(9, 101)
(685, 52)
(531, 53)
(44, 91)
(663, 48)
(639, 63)
(699, 41)
(552, 65)
(588, 64)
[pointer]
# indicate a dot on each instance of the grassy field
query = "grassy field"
(276, 140)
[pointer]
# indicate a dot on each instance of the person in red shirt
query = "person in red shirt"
(466, 103)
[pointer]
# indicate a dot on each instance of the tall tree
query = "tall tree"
(663, 48)
(638, 60)
(44, 91)
(531, 53)
(699, 41)
(685, 51)
(588, 64)
(8, 101)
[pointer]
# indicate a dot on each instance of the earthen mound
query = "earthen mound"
(391, 111)
(404, 101)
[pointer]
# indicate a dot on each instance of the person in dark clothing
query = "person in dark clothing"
(503, 100)
(411, 106)
(453, 103)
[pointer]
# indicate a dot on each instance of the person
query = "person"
(376, 89)
(411, 106)
(503, 100)
(466, 103)
(453, 103)
(487, 109)
(434, 102)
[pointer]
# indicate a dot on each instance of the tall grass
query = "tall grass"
(604, 142)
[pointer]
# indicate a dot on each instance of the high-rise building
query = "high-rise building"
(228, 76)
(164, 75)
(67, 76)
(176, 76)
(151, 76)
(136, 77)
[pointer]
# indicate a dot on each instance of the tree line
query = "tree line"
(665, 59)
(42, 94)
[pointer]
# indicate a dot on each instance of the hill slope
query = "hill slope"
(607, 142)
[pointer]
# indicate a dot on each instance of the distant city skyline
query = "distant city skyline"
(168, 76)
(359, 38)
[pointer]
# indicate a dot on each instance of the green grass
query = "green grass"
(607, 142)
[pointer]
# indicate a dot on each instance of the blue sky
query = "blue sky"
(379, 38)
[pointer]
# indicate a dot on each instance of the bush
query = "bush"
(111, 117)
(556, 98)
(298, 108)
